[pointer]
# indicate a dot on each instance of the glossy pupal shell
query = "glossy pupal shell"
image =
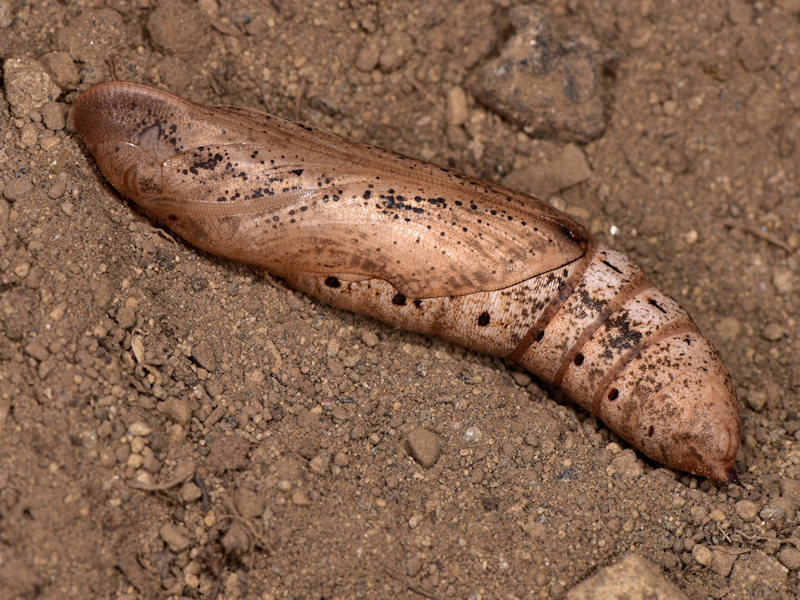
(427, 249)
(266, 191)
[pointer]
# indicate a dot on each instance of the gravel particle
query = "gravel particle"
(368, 55)
(396, 51)
(702, 555)
(176, 537)
(627, 465)
(746, 509)
(457, 111)
(22, 270)
(424, 446)
(54, 115)
(179, 410)
(204, 356)
(790, 557)
(756, 400)
(531, 439)
(521, 378)
(28, 86)
(341, 459)
(783, 280)
(190, 492)
(723, 561)
(333, 347)
(773, 332)
(18, 188)
(790, 495)
(236, 539)
(139, 429)
(179, 27)
(632, 577)
(413, 566)
(126, 317)
(729, 328)
(473, 435)
(135, 461)
(370, 338)
(320, 464)
(740, 12)
(249, 503)
(300, 498)
(29, 135)
(545, 179)
(547, 83)
(62, 68)
(37, 350)
(770, 513)
(57, 190)
(93, 35)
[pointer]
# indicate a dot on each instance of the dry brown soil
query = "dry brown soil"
(173, 425)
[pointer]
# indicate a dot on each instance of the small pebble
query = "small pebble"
(341, 459)
(320, 464)
(756, 400)
(521, 378)
(773, 332)
(204, 356)
(176, 537)
(413, 566)
(28, 85)
(37, 350)
(457, 111)
(790, 557)
(396, 51)
(300, 498)
(249, 503)
(717, 515)
(179, 410)
(746, 509)
(126, 317)
(729, 328)
(722, 563)
(135, 461)
(236, 539)
(531, 439)
(62, 68)
(702, 555)
(18, 188)
(370, 338)
(424, 446)
(139, 429)
(473, 435)
(54, 115)
(22, 270)
(57, 190)
(772, 513)
(29, 136)
(190, 492)
(783, 280)
(627, 465)
(368, 55)
(333, 347)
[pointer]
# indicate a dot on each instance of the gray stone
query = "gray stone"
(548, 83)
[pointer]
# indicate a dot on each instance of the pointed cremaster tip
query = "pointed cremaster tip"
(732, 477)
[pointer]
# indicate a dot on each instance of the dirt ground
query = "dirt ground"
(174, 425)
